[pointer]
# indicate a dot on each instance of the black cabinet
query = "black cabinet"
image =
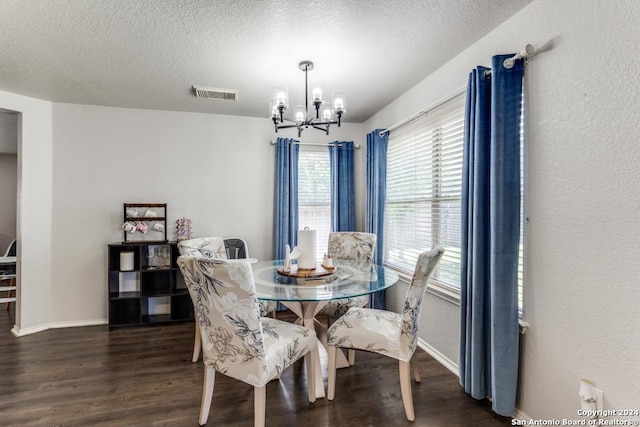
(145, 285)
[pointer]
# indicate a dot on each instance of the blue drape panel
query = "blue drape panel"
(490, 235)
(376, 196)
(286, 197)
(343, 208)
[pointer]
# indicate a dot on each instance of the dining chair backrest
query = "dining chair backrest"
(226, 309)
(236, 248)
(425, 266)
(208, 247)
(352, 245)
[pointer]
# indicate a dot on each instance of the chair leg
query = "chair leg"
(259, 405)
(12, 282)
(416, 371)
(331, 386)
(207, 393)
(197, 344)
(352, 357)
(405, 387)
(312, 361)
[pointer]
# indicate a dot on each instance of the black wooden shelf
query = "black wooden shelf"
(147, 294)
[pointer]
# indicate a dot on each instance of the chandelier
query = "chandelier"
(326, 114)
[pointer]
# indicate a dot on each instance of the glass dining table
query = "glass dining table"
(305, 293)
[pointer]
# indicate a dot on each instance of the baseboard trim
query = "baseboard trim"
(453, 367)
(441, 358)
(519, 415)
(20, 332)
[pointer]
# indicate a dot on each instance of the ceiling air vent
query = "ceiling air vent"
(215, 93)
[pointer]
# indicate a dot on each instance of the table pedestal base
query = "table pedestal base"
(306, 312)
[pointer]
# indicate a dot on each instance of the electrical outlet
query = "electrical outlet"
(599, 399)
(592, 398)
(596, 406)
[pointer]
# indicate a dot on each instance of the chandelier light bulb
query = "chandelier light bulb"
(281, 98)
(326, 114)
(317, 94)
(338, 104)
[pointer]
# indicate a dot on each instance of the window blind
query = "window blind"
(424, 185)
(424, 178)
(314, 195)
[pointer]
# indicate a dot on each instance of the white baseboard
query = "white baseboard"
(20, 332)
(441, 358)
(519, 415)
(453, 367)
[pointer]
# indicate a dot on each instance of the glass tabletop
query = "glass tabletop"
(349, 279)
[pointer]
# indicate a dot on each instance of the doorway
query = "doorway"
(8, 201)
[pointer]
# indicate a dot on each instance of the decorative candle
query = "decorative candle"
(126, 261)
(307, 245)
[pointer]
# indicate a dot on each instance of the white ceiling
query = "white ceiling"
(148, 54)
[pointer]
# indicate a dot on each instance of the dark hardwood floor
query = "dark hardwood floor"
(89, 376)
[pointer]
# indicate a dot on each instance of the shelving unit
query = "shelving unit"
(153, 216)
(152, 291)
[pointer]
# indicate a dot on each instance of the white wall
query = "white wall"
(216, 170)
(33, 210)
(582, 274)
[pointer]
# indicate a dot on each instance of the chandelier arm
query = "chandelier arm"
(326, 130)
(287, 126)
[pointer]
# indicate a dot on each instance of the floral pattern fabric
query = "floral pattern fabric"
(236, 340)
(349, 246)
(392, 334)
(352, 245)
(214, 247)
(208, 247)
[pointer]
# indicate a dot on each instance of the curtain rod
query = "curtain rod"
(508, 63)
(424, 111)
(320, 144)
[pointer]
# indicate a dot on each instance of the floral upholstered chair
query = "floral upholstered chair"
(236, 340)
(208, 247)
(353, 246)
(356, 247)
(391, 334)
(215, 247)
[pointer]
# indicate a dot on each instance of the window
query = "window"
(424, 170)
(424, 186)
(314, 195)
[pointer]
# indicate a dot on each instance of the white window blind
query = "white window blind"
(314, 195)
(424, 186)
(424, 170)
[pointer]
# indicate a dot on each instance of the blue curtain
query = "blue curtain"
(490, 235)
(376, 195)
(343, 208)
(286, 208)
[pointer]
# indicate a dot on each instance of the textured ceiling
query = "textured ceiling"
(148, 54)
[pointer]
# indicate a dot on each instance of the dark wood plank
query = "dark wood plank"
(144, 377)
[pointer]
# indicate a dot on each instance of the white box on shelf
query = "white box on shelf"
(126, 261)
